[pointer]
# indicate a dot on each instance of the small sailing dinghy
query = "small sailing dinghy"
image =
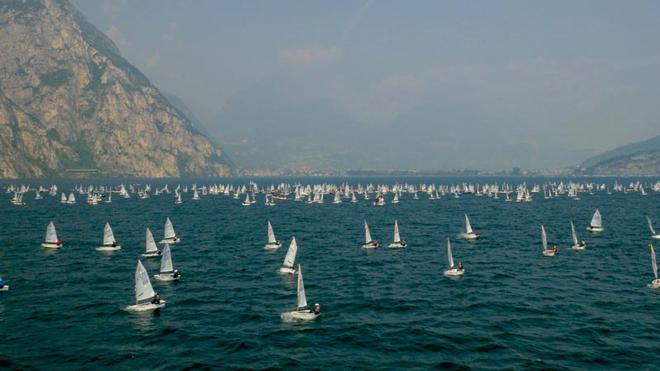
(369, 243)
(273, 243)
(247, 200)
(51, 241)
(146, 299)
(151, 250)
(169, 237)
(453, 271)
(654, 235)
(596, 224)
(109, 241)
(290, 258)
(167, 271)
(544, 239)
(470, 234)
(655, 284)
(398, 242)
(3, 285)
(577, 245)
(301, 313)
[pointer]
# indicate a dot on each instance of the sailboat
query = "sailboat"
(167, 271)
(577, 245)
(109, 241)
(368, 242)
(290, 258)
(195, 196)
(51, 241)
(63, 199)
(398, 242)
(109, 199)
(177, 199)
(337, 198)
(247, 200)
(151, 250)
(72, 199)
(301, 313)
(544, 239)
(3, 285)
(146, 299)
(169, 237)
(596, 224)
(469, 233)
(395, 200)
(654, 235)
(453, 271)
(655, 284)
(273, 243)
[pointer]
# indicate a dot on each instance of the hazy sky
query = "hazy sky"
(549, 82)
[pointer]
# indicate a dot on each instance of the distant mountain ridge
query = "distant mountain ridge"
(640, 158)
(69, 100)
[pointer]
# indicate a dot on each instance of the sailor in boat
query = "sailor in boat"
(176, 273)
(460, 266)
(317, 309)
(156, 299)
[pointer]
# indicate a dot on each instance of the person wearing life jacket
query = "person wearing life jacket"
(176, 273)
(317, 309)
(156, 299)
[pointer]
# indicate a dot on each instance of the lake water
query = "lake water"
(387, 308)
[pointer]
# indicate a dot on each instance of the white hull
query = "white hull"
(397, 245)
(579, 247)
(272, 246)
(145, 307)
(108, 248)
(595, 229)
(298, 316)
(167, 277)
(470, 236)
(656, 236)
(151, 255)
(454, 272)
(549, 252)
(5, 288)
(655, 284)
(370, 246)
(170, 241)
(50, 245)
(287, 270)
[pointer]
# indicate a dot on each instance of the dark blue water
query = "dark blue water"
(381, 309)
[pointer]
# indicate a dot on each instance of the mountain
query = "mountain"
(640, 158)
(69, 100)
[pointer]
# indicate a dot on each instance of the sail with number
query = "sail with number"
(144, 292)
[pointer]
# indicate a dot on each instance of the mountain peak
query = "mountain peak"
(69, 100)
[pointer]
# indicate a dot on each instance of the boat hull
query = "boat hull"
(655, 284)
(579, 247)
(287, 270)
(151, 255)
(595, 229)
(656, 236)
(454, 272)
(549, 252)
(4, 288)
(147, 307)
(50, 245)
(397, 245)
(272, 246)
(299, 316)
(108, 248)
(170, 241)
(470, 236)
(370, 246)
(167, 277)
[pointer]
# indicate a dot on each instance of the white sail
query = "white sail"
(144, 292)
(51, 234)
(468, 226)
(302, 298)
(108, 236)
(271, 234)
(290, 257)
(63, 198)
(367, 233)
(169, 229)
(72, 198)
(150, 243)
(654, 265)
(650, 226)
(544, 238)
(573, 234)
(397, 237)
(166, 260)
(597, 220)
(450, 257)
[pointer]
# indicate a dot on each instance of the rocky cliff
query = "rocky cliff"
(69, 100)
(635, 159)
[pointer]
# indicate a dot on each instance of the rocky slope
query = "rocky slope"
(68, 100)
